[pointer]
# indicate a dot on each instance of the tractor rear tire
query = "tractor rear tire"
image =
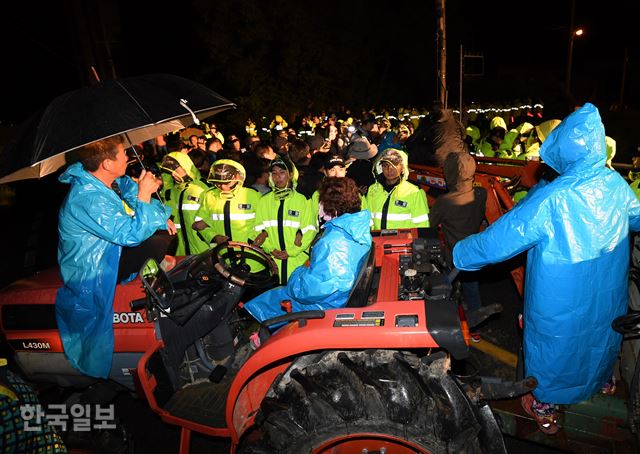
(346, 401)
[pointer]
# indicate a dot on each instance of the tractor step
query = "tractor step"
(202, 403)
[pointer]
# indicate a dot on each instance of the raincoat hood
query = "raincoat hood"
(497, 122)
(577, 144)
(544, 129)
(459, 170)
(291, 168)
(356, 225)
(473, 132)
(524, 128)
(187, 164)
(384, 156)
(76, 172)
(232, 163)
(441, 115)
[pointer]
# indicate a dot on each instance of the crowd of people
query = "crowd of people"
(340, 179)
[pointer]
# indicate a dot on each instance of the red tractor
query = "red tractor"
(374, 376)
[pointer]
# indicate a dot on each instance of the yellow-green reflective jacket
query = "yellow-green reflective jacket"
(282, 220)
(404, 207)
(234, 218)
(184, 200)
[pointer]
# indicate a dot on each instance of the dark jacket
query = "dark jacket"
(461, 210)
(434, 140)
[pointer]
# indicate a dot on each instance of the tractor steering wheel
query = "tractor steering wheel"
(230, 260)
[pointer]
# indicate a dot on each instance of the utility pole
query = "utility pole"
(567, 77)
(441, 40)
(624, 77)
(461, 78)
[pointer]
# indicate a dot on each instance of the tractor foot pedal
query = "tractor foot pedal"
(498, 388)
(217, 374)
(474, 318)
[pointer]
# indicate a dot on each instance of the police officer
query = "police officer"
(284, 224)
(228, 210)
(393, 201)
(184, 199)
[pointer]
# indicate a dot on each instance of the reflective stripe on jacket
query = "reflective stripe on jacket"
(404, 207)
(282, 219)
(234, 218)
(184, 200)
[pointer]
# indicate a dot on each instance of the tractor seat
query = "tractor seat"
(360, 292)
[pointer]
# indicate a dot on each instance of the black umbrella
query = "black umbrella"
(140, 107)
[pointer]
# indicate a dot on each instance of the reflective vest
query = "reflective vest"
(184, 200)
(282, 220)
(404, 207)
(234, 218)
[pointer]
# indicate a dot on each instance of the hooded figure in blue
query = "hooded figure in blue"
(576, 229)
(94, 224)
(335, 259)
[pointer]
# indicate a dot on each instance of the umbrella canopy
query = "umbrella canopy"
(186, 133)
(140, 107)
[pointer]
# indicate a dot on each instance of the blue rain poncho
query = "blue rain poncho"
(326, 284)
(576, 229)
(94, 224)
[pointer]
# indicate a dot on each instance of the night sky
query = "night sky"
(292, 56)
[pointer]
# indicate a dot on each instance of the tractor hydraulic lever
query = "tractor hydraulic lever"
(302, 315)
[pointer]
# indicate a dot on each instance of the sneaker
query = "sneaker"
(475, 336)
(609, 388)
(543, 414)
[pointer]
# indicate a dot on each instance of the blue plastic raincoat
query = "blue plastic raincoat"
(335, 261)
(93, 226)
(576, 229)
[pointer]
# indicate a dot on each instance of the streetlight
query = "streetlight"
(567, 84)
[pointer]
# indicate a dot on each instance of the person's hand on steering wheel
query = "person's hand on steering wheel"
(220, 239)
(280, 255)
(259, 241)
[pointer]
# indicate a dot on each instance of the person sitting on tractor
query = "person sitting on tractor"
(284, 224)
(184, 199)
(336, 257)
(575, 227)
(106, 226)
(393, 201)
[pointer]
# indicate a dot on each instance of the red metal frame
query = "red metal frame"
(493, 174)
(368, 441)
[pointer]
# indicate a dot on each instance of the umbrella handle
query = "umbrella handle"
(135, 152)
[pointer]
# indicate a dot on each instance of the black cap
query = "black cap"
(283, 163)
(333, 161)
